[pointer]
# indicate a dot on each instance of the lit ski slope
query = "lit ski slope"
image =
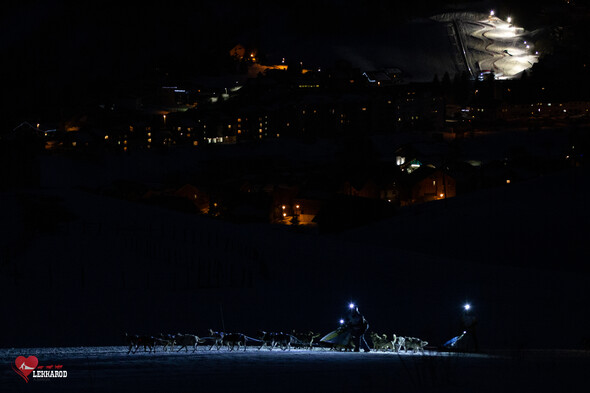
(491, 44)
(503, 47)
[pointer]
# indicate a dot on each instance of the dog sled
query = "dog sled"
(340, 338)
(452, 343)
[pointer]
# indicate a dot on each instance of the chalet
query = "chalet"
(426, 183)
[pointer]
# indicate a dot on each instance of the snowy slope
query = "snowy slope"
(123, 267)
(517, 253)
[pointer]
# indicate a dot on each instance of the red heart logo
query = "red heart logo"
(26, 366)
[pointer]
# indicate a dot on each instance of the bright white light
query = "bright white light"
(467, 306)
(351, 306)
(492, 13)
(509, 20)
(342, 321)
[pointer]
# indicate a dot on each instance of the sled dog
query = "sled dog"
(231, 340)
(381, 343)
(217, 338)
(132, 341)
(399, 343)
(306, 339)
(148, 342)
(186, 340)
(166, 341)
(282, 340)
(267, 340)
(415, 344)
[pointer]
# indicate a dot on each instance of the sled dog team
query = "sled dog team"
(167, 341)
(397, 343)
(270, 340)
(219, 340)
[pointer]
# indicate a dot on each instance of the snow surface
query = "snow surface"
(492, 44)
(517, 253)
(101, 369)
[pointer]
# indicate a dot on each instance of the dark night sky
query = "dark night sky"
(55, 51)
(56, 54)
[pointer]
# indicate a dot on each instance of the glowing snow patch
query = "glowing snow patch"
(505, 50)
(490, 43)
